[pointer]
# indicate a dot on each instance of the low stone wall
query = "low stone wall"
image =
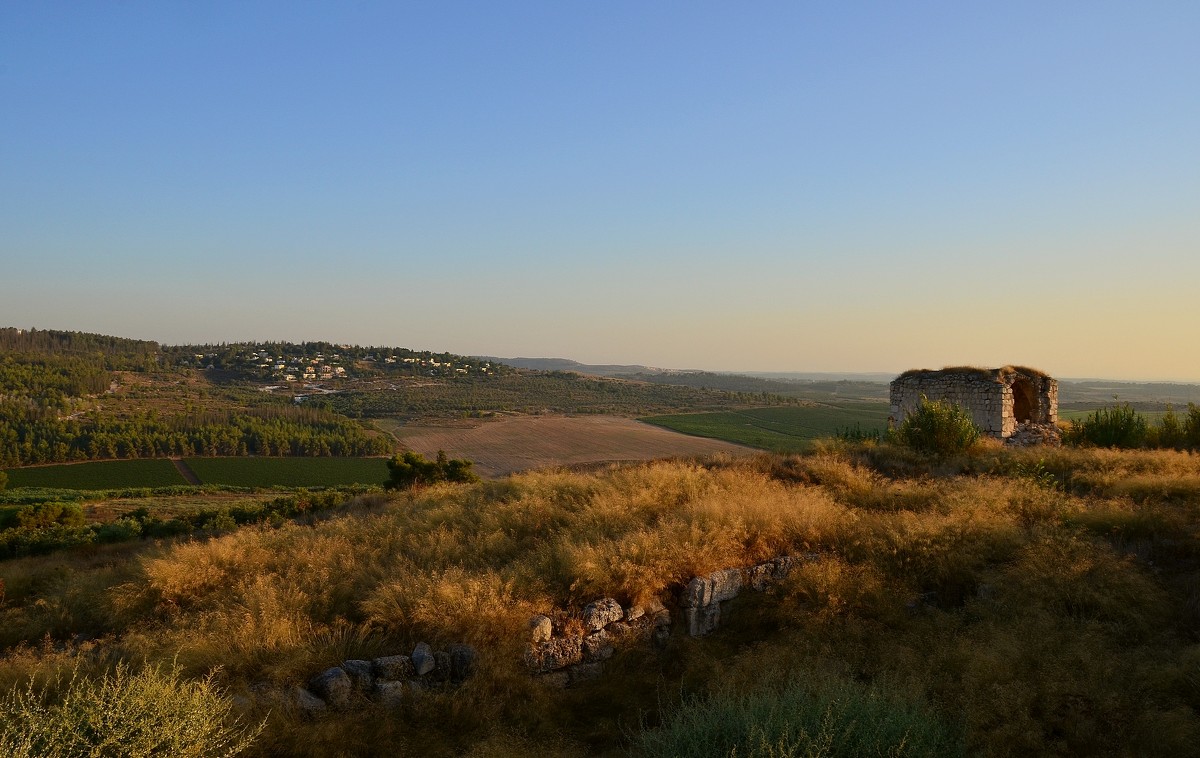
(385, 680)
(561, 656)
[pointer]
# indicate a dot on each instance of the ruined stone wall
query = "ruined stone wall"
(1000, 401)
(984, 396)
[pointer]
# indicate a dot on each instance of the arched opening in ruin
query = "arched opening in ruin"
(1024, 400)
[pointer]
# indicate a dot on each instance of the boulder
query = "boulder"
(702, 621)
(360, 673)
(333, 685)
(554, 654)
(422, 659)
(725, 585)
(388, 693)
(601, 613)
(540, 629)
(393, 668)
(308, 703)
(597, 646)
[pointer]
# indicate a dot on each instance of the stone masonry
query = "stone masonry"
(1012, 403)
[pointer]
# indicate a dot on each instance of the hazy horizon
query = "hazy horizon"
(777, 187)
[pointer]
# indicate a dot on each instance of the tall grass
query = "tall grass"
(1025, 596)
(804, 719)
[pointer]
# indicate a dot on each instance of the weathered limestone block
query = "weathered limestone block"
(333, 685)
(601, 613)
(554, 654)
(308, 703)
(360, 675)
(703, 620)
(389, 694)
(540, 629)
(598, 646)
(393, 668)
(770, 573)
(422, 659)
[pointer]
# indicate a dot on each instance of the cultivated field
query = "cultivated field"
(783, 430)
(522, 443)
(236, 472)
(289, 472)
(98, 475)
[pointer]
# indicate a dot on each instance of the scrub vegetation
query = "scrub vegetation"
(996, 602)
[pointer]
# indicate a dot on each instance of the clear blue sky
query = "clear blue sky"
(754, 186)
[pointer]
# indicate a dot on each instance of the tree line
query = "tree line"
(29, 435)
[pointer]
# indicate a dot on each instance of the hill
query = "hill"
(1006, 603)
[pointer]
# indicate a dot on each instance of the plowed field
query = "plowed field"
(520, 443)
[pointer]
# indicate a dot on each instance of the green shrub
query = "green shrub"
(3, 481)
(148, 713)
(412, 469)
(1191, 427)
(938, 427)
(1119, 426)
(825, 721)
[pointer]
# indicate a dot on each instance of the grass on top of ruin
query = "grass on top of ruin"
(1030, 601)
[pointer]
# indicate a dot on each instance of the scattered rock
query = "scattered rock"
(635, 612)
(308, 703)
(332, 685)
(540, 629)
(422, 659)
(703, 620)
(601, 613)
(388, 693)
(554, 654)
(393, 668)
(360, 674)
(597, 646)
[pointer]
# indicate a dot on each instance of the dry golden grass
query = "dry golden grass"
(1036, 598)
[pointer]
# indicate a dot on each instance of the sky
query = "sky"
(767, 186)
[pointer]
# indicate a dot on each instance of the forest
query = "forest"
(50, 383)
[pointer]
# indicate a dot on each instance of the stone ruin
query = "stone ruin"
(561, 655)
(385, 680)
(1015, 404)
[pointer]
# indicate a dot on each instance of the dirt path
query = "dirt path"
(185, 471)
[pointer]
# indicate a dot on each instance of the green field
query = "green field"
(98, 475)
(289, 472)
(783, 430)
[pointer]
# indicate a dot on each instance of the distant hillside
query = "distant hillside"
(566, 364)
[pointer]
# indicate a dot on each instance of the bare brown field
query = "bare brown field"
(520, 443)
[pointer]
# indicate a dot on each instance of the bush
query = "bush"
(1119, 426)
(151, 712)
(829, 720)
(412, 470)
(3, 481)
(938, 427)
